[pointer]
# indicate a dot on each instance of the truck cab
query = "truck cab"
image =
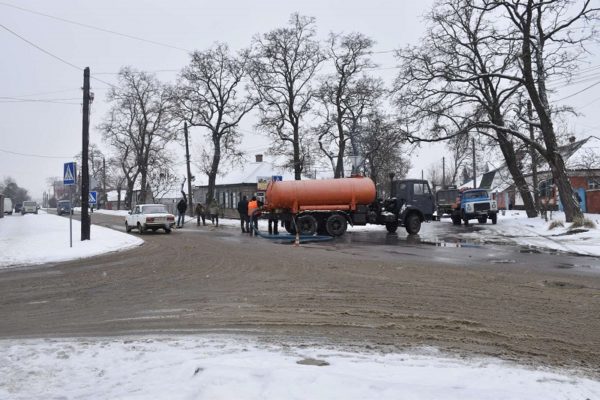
(476, 204)
(411, 204)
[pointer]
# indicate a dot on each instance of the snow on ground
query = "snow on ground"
(44, 238)
(220, 367)
(515, 227)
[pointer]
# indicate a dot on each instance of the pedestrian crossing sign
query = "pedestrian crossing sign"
(93, 198)
(69, 173)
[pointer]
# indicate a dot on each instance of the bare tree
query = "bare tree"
(344, 96)
(285, 61)
(551, 35)
(381, 144)
(454, 81)
(140, 123)
(208, 96)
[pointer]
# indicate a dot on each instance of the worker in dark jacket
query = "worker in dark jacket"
(200, 213)
(242, 208)
(181, 208)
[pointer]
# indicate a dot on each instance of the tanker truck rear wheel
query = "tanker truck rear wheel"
(290, 227)
(307, 225)
(336, 225)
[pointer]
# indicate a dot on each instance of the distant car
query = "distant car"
(64, 207)
(18, 207)
(149, 216)
(29, 207)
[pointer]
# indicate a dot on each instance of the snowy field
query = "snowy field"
(44, 238)
(223, 367)
(201, 367)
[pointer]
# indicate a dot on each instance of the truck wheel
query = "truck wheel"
(307, 225)
(482, 220)
(412, 224)
(289, 227)
(336, 225)
(494, 218)
(456, 220)
(391, 227)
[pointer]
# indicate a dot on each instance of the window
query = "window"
(421, 188)
(545, 188)
(594, 183)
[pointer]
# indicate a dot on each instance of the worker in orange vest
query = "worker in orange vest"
(252, 206)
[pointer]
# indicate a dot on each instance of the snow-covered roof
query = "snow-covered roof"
(249, 173)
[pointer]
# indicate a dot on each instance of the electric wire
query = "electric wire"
(31, 155)
(96, 28)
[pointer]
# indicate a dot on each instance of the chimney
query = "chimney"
(259, 158)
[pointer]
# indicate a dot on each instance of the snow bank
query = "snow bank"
(234, 368)
(44, 238)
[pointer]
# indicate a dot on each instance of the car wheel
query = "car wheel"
(127, 227)
(167, 230)
(412, 224)
(140, 229)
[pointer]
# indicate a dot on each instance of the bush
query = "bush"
(582, 223)
(556, 224)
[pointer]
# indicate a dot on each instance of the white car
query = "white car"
(150, 216)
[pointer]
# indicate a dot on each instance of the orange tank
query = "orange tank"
(325, 194)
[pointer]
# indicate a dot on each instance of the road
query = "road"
(368, 290)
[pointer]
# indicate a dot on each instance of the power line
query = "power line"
(582, 90)
(32, 155)
(41, 49)
(96, 28)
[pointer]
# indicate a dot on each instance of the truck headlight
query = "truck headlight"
(494, 205)
(469, 207)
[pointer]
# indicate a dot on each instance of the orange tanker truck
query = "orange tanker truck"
(327, 206)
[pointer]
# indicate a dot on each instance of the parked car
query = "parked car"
(8, 206)
(64, 207)
(18, 207)
(149, 216)
(29, 207)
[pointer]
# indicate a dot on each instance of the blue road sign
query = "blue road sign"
(93, 198)
(69, 173)
(277, 178)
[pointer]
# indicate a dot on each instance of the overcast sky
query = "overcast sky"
(37, 137)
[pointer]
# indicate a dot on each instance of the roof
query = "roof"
(249, 173)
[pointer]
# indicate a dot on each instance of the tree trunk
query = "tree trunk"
(212, 174)
(508, 151)
(297, 166)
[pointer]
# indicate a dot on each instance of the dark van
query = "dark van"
(63, 207)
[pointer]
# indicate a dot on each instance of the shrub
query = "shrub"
(556, 224)
(582, 223)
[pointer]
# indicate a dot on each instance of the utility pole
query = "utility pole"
(443, 172)
(85, 175)
(534, 176)
(474, 166)
(104, 196)
(189, 172)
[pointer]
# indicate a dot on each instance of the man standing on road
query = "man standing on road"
(200, 213)
(242, 208)
(181, 208)
(213, 210)
(252, 206)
